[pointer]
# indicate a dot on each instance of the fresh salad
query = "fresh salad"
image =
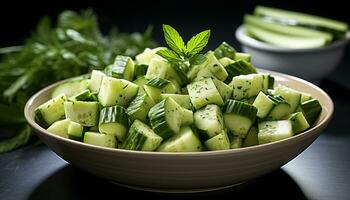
(177, 99)
(290, 29)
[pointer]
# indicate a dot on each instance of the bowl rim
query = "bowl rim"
(253, 43)
(321, 124)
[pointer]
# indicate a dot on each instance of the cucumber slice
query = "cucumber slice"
(75, 131)
(116, 92)
(147, 55)
(226, 61)
(268, 82)
(218, 142)
(252, 137)
(96, 80)
(236, 142)
(60, 128)
(139, 108)
(239, 67)
(271, 131)
(113, 121)
(182, 99)
(51, 111)
(184, 141)
(285, 41)
(270, 107)
(70, 88)
(264, 105)
(141, 81)
(290, 95)
(305, 97)
(213, 68)
(210, 120)
(141, 137)
(311, 110)
(140, 70)
(204, 92)
(166, 118)
(239, 117)
(243, 56)
(157, 86)
(299, 123)
(100, 139)
(224, 90)
(123, 67)
(85, 95)
(285, 29)
(280, 110)
(225, 50)
(246, 86)
(158, 68)
(297, 18)
(82, 112)
(187, 117)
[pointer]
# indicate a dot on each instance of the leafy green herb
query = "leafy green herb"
(71, 47)
(179, 53)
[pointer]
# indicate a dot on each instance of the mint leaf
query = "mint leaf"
(198, 59)
(169, 55)
(173, 39)
(197, 43)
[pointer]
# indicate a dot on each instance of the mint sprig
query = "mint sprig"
(179, 52)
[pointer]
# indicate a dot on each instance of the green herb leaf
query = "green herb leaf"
(198, 59)
(169, 55)
(173, 39)
(197, 43)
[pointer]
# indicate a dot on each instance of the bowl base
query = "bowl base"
(178, 191)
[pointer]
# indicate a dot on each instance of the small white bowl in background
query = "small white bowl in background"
(311, 64)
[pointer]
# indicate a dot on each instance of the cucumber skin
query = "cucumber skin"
(158, 121)
(311, 110)
(235, 107)
(114, 114)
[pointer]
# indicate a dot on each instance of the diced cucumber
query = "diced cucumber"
(85, 95)
(82, 112)
(243, 56)
(210, 120)
(141, 137)
(264, 105)
(96, 80)
(271, 131)
(286, 29)
(166, 118)
(268, 82)
(225, 50)
(311, 110)
(158, 68)
(157, 86)
(239, 117)
(290, 95)
(75, 131)
(192, 73)
(213, 68)
(252, 137)
(218, 142)
(302, 19)
(187, 117)
(299, 123)
(116, 92)
(139, 107)
(184, 141)
(224, 90)
(239, 67)
(123, 67)
(140, 70)
(226, 61)
(147, 55)
(285, 41)
(246, 86)
(60, 128)
(182, 99)
(70, 88)
(305, 97)
(113, 121)
(204, 92)
(236, 142)
(100, 139)
(141, 81)
(280, 110)
(51, 111)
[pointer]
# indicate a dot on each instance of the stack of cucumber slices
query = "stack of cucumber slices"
(290, 29)
(147, 104)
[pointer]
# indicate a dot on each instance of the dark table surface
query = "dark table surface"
(322, 171)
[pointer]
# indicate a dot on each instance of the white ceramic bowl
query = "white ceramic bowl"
(311, 64)
(184, 172)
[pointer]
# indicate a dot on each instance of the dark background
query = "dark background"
(189, 17)
(320, 172)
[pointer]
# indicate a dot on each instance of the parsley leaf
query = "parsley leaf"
(197, 43)
(173, 39)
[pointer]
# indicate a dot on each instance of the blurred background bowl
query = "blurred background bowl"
(311, 64)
